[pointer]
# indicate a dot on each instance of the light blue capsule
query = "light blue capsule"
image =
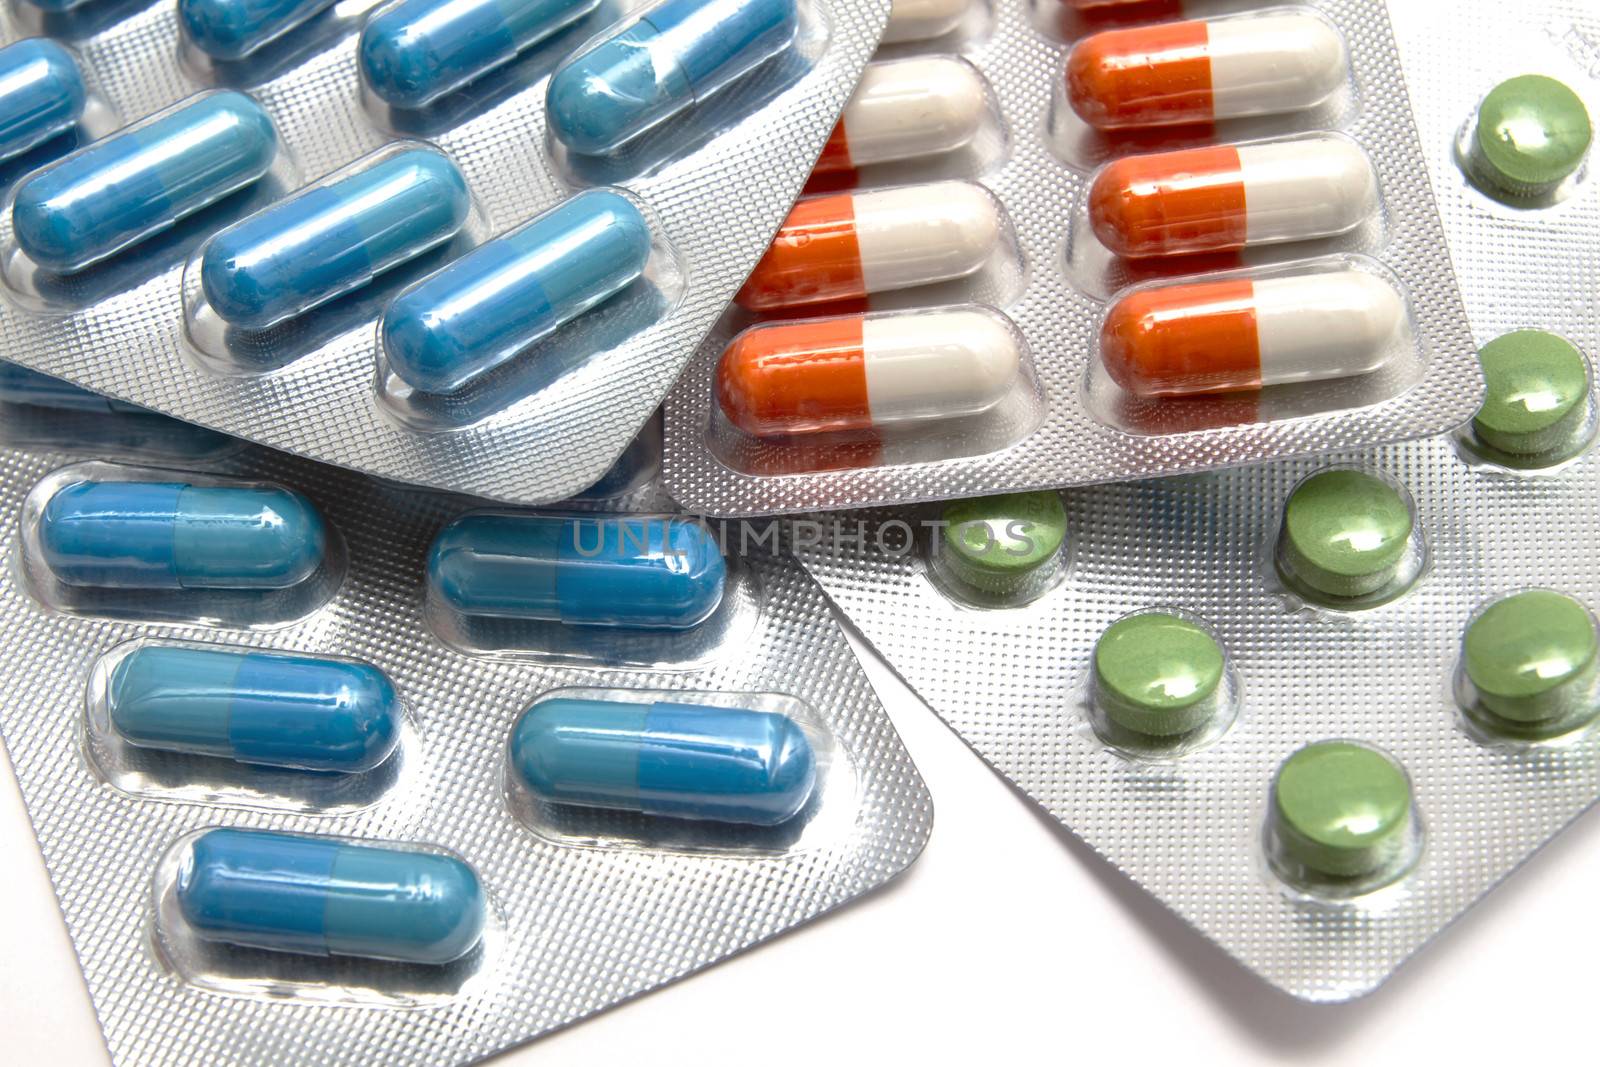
(255, 707)
(678, 53)
(41, 94)
(504, 295)
(330, 239)
(414, 51)
(232, 29)
(167, 535)
(686, 761)
(634, 571)
(118, 191)
(319, 897)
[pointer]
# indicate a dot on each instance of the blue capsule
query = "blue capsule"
(255, 707)
(19, 385)
(330, 239)
(504, 295)
(678, 53)
(232, 29)
(41, 94)
(687, 761)
(118, 191)
(319, 897)
(635, 571)
(415, 51)
(167, 535)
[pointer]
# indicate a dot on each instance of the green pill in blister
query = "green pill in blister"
(1342, 810)
(1157, 674)
(1345, 534)
(1003, 545)
(1538, 394)
(1532, 134)
(1531, 658)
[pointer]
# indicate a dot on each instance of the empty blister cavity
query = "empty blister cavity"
(735, 773)
(334, 237)
(1528, 668)
(412, 52)
(321, 919)
(233, 29)
(1349, 539)
(247, 727)
(609, 590)
(1527, 143)
(1539, 410)
(1161, 685)
(1000, 551)
(1341, 820)
(139, 543)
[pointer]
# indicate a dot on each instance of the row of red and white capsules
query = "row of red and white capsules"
(1086, 246)
(301, 745)
(443, 242)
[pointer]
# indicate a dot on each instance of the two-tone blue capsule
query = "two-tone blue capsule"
(414, 51)
(168, 535)
(676, 54)
(332, 238)
(232, 29)
(41, 94)
(636, 571)
(317, 896)
(685, 761)
(255, 707)
(504, 295)
(119, 191)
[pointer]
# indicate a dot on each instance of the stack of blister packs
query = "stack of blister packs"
(388, 674)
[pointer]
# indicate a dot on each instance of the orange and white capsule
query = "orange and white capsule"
(1230, 197)
(853, 372)
(907, 109)
(849, 245)
(1205, 71)
(1220, 336)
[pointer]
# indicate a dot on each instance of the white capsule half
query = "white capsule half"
(937, 366)
(907, 109)
(1317, 187)
(1269, 64)
(1317, 326)
(919, 234)
(920, 20)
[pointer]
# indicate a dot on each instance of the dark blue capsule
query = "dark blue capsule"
(118, 191)
(330, 239)
(687, 761)
(319, 897)
(255, 707)
(232, 29)
(678, 53)
(504, 295)
(19, 385)
(167, 535)
(41, 94)
(635, 571)
(414, 51)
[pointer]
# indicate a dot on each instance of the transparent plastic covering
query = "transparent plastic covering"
(714, 181)
(1336, 180)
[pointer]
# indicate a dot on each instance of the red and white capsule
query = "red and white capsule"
(920, 20)
(849, 245)
(907, 109)
(853, 372)
(1176, 73)
(1228, 197)
(1222, 336)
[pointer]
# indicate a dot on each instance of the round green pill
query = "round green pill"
(1538, 395)
(1530, 657)
(1000, 544)
(1345, 533)
(1342, 810)
(1532, 134)
(1157, 674)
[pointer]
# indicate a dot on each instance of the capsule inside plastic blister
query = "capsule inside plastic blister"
(486, 307)
(1161, 685)
(334, 237)
(412, 52)
(42, 94)
(120, 190)
(907, 109)
(674, 55)
(1530, 667)
(1341, 820)
(1000, 551)
(1538, 410)
(233, 29)
(1350, 539)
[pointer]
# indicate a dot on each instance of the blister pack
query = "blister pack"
(1060, 247)
(1317, 707)
(322, 763)
(452, 243)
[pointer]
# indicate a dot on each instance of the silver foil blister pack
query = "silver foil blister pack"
(711, 185)
(1061, 419)
(1388, 671)
(584, 907)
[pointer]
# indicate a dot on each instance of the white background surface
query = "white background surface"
(1007, 942)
